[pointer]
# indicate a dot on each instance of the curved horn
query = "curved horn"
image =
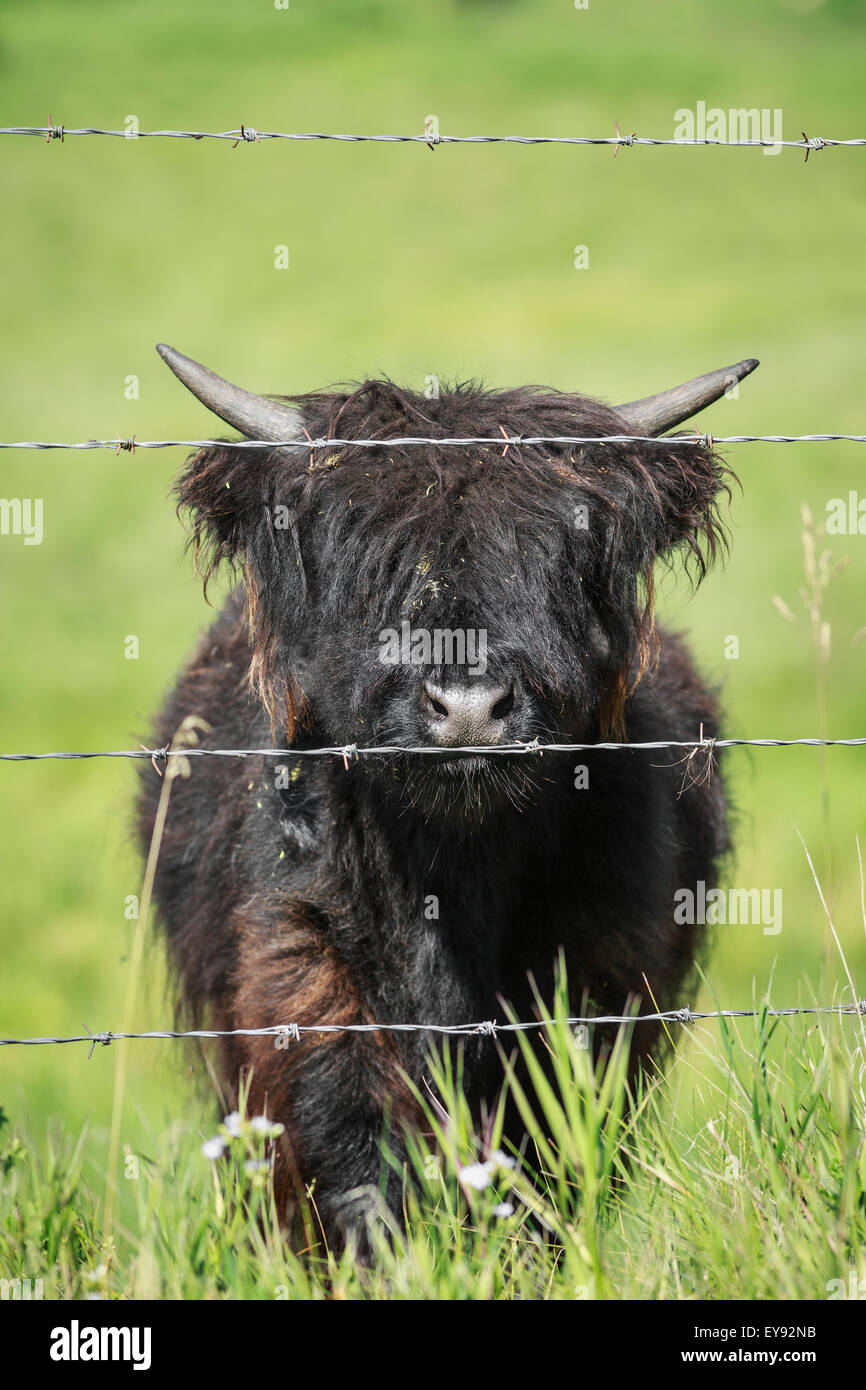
(257, 417)
(655, 414)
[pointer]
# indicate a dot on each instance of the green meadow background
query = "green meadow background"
(405, 262)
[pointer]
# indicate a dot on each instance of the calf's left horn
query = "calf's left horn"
(257, 417)
(655, 414)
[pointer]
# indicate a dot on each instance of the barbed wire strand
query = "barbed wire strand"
(131, 444)
(487, 1028)
(431, 138)
(351, 751)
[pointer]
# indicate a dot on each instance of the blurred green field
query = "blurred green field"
(404, 262)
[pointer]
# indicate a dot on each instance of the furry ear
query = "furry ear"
(653, 500)
(686, 483)
(231, 496)
(241, 503)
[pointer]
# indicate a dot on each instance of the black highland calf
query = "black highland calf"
(406, 889)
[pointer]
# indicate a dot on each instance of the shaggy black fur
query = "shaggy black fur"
(300, 896)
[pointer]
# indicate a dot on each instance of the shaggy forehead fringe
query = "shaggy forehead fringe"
(675, 476)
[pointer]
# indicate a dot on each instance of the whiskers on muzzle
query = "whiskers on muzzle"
(470, 787)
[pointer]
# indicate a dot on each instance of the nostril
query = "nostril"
(503, 706)
(431, 697)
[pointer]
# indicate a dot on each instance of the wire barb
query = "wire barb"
(349, 754)
(816, 144)
(103, 1038)
(248, 133)
(700, 762)
(431, 135)
(159, 758)
(533, 746)
(626, 140)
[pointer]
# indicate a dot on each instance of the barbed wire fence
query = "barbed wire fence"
(432, 137)
(503, 441)
(489, 1028)
(352, 752)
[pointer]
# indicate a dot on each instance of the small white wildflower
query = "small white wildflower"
(504, 1209)
(213, 1148)
(95, 1276)
(475, 1175)
(269, 1128)
(256, 1165)
(232, 1123)
(501, 1160)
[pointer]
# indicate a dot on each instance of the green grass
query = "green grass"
(746, 1180)
(460, 263)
